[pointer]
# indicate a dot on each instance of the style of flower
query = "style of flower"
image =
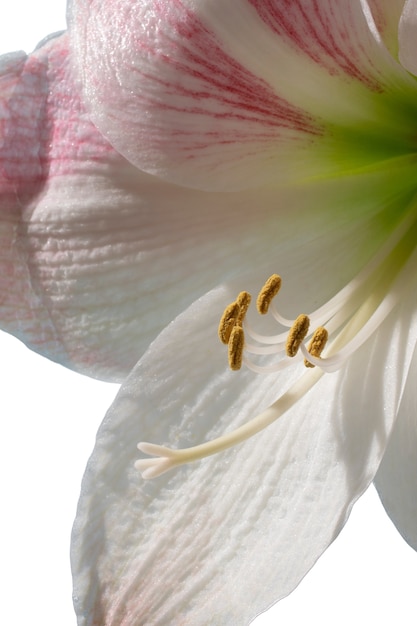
(160, 149)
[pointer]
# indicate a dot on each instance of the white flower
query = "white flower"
(277, 137)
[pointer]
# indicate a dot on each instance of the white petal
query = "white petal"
(235, 95)
(230, 535)
(407, 36)
(396, 477)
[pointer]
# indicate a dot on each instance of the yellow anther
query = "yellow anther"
(243, 300)
(317, 343)
(233, 316)
(228, 321)
(297, 334)
(236, 343)
(267, 293)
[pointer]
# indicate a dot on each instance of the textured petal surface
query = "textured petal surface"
(96, 256)
(50, 153)
(229, 535)
(396, 477)
(23, 92)
(229, 95)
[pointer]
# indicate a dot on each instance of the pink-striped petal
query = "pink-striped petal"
(235, 95)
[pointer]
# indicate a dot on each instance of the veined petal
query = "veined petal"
(396, 476)
(203, 94)
(88, 241)
(229, 535)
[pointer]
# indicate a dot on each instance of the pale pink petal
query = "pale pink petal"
(235, 95)
(24, 136)
(52, 161)
(396, 477)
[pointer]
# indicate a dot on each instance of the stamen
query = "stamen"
(236, 344)
(317, 344)
(228, 321)
(268, 293)
(233, 315)
(297, 334)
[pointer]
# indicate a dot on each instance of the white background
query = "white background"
(49, 420)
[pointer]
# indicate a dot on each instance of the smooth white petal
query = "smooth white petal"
(235, 95)
(407, 36)
(231, 534)
(396, 476)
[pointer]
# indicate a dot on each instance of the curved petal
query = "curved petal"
(97, 257)
(396, 476)
(407, 36)
(238, 95)
(23, 88)
(386, 14)
(58, 185)
(229, 535)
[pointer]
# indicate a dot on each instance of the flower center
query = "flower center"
(347, 320)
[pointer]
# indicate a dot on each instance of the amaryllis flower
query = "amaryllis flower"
(162, 161)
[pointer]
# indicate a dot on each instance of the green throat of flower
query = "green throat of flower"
(325, 339)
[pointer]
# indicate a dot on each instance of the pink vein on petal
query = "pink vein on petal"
(218, 79)
(326, 31)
